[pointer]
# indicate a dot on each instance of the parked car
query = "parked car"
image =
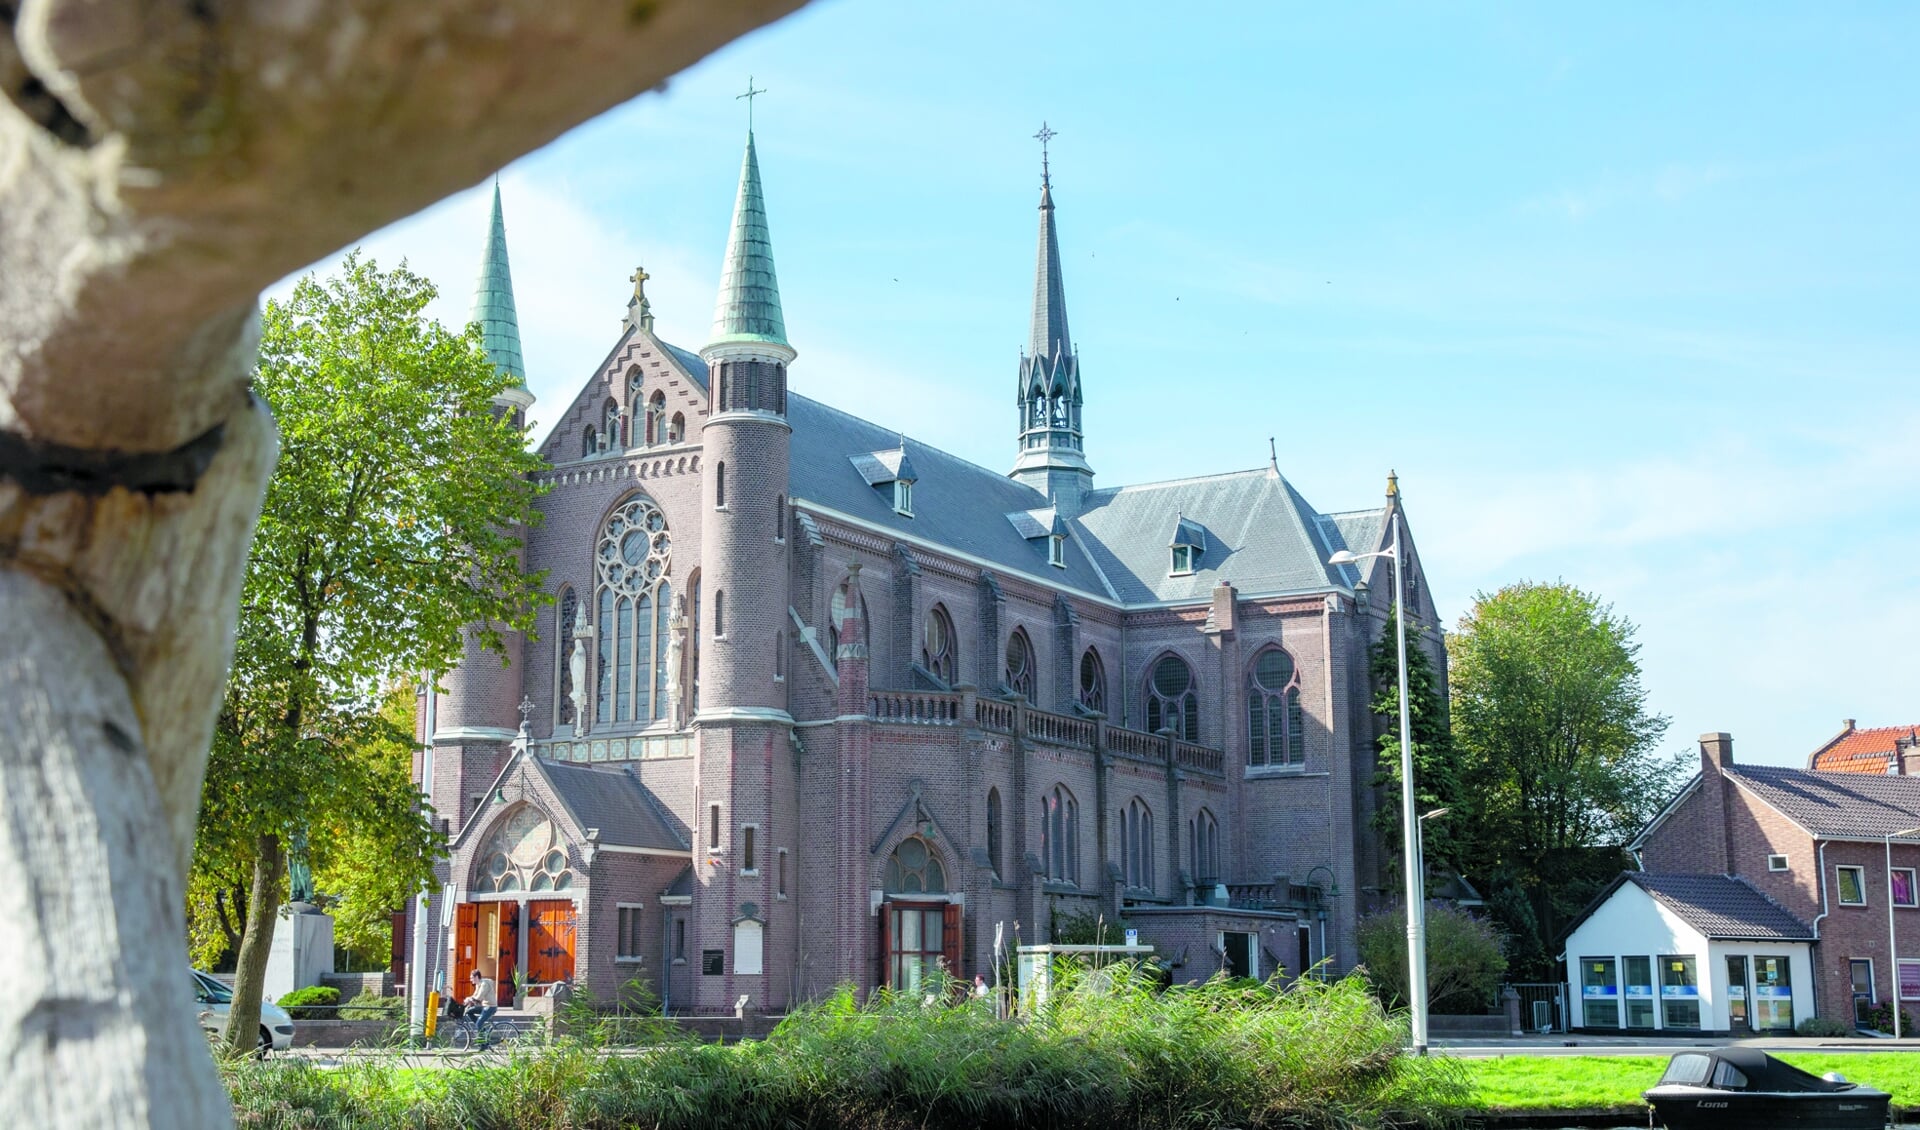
(212, 999)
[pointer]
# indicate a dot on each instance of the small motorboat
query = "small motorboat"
(1745, 1088)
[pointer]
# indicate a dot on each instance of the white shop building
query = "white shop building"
(1688, 953)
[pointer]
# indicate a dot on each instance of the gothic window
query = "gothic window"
(587, 446)
(937, 653)
(1136, 844)
(1275, 731)
(993, 830)
(914, 869)
(633, 385)
(1203, 847)
(657, 418)
(1060, 835)
(612, 437)
(720, 486)
(1172, 703)
(1093, 682)
(1018, 675)
(568, 608)
(634, 595)
(525, 853)
(677, 428)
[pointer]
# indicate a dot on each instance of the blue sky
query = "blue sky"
(1626, 294)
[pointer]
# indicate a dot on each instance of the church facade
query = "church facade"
(817, 703)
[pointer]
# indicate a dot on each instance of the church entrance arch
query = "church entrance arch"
(520, 921)
(919, 925)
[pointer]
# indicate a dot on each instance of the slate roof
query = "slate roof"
(1836, 805)
(1721, 906)
(614, 801)
(1260, 535)
(1862, 751)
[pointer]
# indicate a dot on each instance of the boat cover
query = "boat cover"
(1743, 1069)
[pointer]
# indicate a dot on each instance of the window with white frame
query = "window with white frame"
(1851, 885)
(1900, 883)
(903, 497)
(1776, 863)
(627, 944)
(1182, 560)
(1057, 550)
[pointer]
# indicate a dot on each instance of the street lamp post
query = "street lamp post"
(1893, 947)
(1409, 821)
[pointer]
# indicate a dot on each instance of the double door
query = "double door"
(487, 938)
(1759, 994)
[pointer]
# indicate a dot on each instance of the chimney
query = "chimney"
(1716, 757)
(1906, 754)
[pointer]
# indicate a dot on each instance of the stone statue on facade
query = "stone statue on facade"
(577, 669)
(676, 633)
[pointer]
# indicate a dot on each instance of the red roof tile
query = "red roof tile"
(1861, 751)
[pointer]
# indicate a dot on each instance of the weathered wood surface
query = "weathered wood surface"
(160, 162)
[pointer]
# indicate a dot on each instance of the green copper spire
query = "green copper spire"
(493, 300)
(749, 306)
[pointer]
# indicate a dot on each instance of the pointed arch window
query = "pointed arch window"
(914, 869)
(525, 853)
(1018, 673)
(1172, 700)
(566, 610)
(587, 445)
(993, 830)
(1136, 844)
(677, 428)
(612, 436)
(1060, 835)
(1276, 733)
(1093, 683)
(632, 600)
(937, 651)
(657, 418)
(1203, 847)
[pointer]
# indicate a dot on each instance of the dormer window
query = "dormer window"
(891, 472)
(1188, 543)
(1043, 527)
(1057, 551)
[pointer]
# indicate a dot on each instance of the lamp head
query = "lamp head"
(1342, 557)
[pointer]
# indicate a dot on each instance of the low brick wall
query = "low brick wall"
(344, 1033)
(353, 984)
(1495, 1025)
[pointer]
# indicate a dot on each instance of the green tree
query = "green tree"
(387, 535)
(1435, 772)
(1465, 961)
(1559, 759)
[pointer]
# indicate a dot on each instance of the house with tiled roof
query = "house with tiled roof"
(1877, 749)
(1799, 887)
(816, 702)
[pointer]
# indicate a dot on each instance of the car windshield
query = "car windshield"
(213, 990)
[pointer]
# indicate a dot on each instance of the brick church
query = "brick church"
(816, 702)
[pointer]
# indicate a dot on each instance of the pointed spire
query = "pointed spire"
(748, 309)
(1393, 485)
(493, 307)
(1049, 337)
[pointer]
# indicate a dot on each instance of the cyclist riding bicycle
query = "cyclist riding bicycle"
(480, 1004)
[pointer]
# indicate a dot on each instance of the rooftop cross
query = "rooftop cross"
(749, 96)
(1045, 135)
(639, 279)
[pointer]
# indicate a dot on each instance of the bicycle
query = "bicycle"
(466, 1034)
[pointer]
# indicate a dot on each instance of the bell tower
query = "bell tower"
(746, 790)
(1051, 457)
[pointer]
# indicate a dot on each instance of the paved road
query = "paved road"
(1631, 1045)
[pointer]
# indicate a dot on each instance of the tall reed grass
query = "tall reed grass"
(1110, 1049)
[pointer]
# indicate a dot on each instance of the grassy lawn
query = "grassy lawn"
(1584, 1082)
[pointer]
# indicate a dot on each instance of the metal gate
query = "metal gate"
(1543, 1008)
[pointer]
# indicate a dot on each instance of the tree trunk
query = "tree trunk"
(160, 162)
(256, 943)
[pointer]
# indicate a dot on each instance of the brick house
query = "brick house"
(1817, 844)
(1876, 749)
(817, 703)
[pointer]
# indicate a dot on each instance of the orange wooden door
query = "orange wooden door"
(509, 946)
(550, 940)
(466, 939)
